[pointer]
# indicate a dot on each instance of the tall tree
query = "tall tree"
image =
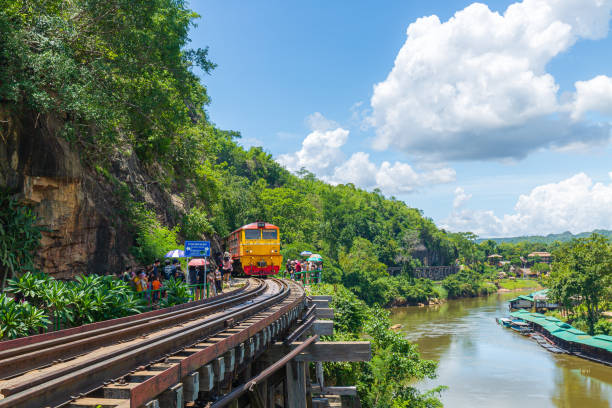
(582, 272)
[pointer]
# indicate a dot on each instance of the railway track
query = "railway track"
(138, 358)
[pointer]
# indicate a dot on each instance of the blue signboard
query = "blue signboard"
(197, 248)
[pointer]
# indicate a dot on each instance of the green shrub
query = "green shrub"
(177, 293)
(87, 299)
(153, 240)
(196, 224)
(19, 319)
(603, 326)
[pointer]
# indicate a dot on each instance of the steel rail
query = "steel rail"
(39, 338)
(115, 324)
(91, 374)
(16, 388)
(249, 386)
(26, 358)
(150, 388)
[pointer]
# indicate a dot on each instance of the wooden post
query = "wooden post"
(191, 387)
(296, 384)
(206, 378)
(320, 379)
(172, 398)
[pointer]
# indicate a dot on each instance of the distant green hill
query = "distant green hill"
(563, 237)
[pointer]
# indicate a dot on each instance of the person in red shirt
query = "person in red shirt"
(155, 287)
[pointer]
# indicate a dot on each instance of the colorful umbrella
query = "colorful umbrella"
(176, 253)
(199, 262)
(306, 253)
(315, 258)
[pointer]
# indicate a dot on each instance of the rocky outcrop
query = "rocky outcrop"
(78, 207)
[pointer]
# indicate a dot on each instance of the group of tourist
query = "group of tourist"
(296, 266)
(150, 279)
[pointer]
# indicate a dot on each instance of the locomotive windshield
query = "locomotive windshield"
(270, 234)
(252, 234)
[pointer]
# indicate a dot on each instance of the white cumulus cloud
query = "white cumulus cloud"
(460, 197)
(576, 204)
(593, 95)
(317, 121)
(476, 86)
(322, 154)
(396, 178)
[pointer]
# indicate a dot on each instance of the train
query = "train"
(255, 249)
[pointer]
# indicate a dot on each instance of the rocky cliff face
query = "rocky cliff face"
(78, 208)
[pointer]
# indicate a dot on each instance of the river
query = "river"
(485, 365)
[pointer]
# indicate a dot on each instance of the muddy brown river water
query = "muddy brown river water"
(485, 365)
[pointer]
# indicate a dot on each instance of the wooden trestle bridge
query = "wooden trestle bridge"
(250, 347)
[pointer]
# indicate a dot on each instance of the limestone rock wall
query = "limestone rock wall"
(84, 232)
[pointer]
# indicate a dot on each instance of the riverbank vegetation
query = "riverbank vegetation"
(467, 283)
(581, 282)
(386, 380)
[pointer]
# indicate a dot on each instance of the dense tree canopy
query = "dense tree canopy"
(581, 276)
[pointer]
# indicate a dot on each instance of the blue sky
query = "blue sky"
(472, 113)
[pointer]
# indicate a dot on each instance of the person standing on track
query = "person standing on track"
(212, 284)
(219, 280)
(228, 267)
(292, 270)
(200, 294)
(298, 268)
(193, 281)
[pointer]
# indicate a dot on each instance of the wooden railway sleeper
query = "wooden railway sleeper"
(230, 359)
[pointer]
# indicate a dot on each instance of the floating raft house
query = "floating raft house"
(597, 348)
(537, 300)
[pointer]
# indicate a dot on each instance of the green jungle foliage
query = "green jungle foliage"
(581, 281)
(40, 299)
(467, 283)
(153, 240)
(386, 380)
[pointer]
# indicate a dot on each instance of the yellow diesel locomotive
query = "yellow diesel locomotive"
(255, 249)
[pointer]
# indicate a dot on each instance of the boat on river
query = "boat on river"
(521, 327)
(547, 344)
(503, 321)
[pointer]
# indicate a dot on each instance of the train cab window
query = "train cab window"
(270, 234)
(252, 234)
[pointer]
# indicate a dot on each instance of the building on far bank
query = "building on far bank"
(494, 259)
(540, 257)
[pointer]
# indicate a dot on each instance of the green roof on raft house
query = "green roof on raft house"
(530, 296)
(565, 331)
